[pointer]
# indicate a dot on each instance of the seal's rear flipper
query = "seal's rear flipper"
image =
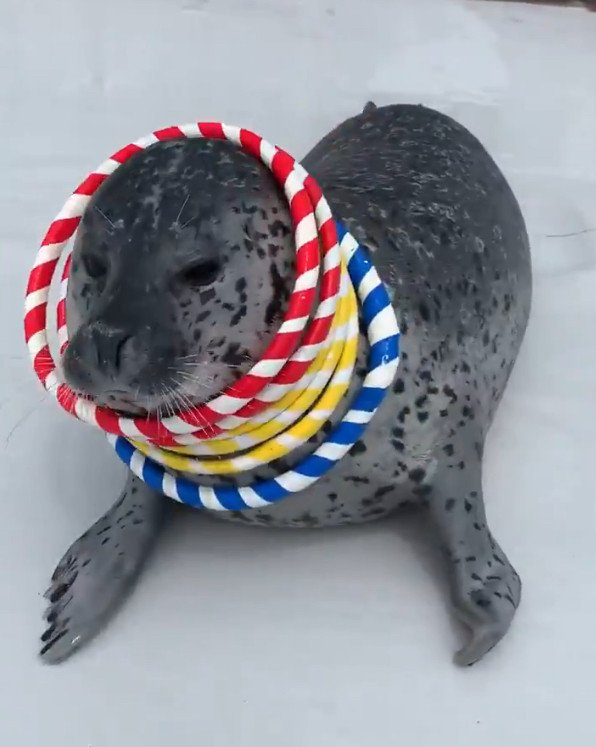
(485, 587)
(370, 106)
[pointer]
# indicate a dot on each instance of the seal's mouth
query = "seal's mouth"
(188, 386)
(121, 401)
(118, 400)
(124, 403)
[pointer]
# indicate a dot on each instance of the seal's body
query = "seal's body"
(447, 238)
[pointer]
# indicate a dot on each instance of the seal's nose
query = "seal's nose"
(96, 356)
(108, 345)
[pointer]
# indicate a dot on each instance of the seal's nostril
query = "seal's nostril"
(119, 349)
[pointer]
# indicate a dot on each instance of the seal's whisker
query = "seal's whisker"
(28, 413)
(182, 209)
(233, 389)
(194, 379)
(184, 402)
(188, 221)
(159, 412)
(167, 401)
(196, 359)
(174, 400)
(179, 390)
(177, 401)
(104, 216)
(201, 418)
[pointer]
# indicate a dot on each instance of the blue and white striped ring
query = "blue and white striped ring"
(383, 359)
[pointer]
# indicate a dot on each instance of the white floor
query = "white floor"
(306, 640)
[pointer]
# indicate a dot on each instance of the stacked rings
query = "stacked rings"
(287, 396)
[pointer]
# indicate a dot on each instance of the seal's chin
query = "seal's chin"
(140, 404)
(120, 401)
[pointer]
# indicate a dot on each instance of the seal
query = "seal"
(181, 271)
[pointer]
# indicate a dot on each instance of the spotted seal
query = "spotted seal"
(180, 273)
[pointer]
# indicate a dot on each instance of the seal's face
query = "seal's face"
(181, 270)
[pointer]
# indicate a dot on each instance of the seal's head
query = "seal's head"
(181, 271)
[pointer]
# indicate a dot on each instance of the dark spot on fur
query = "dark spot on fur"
(374, 512)
(417, 475)
(327, 427)
(239, 516)
(234, 355)
(450, 393)
(274, 307)
(207, 295)
(399, 386)
(403, 413)
(279, 228)
(380, 492)
(240, 314)
(59, 592)
(357, 448)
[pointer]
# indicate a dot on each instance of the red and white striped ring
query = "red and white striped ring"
(282, 364)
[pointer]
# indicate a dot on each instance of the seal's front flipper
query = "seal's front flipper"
(98, 571)
(486, 590)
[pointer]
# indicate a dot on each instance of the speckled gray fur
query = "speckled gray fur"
(99, 569)
(448, 239)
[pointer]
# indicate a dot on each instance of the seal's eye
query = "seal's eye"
(95, 266)
(200, 273)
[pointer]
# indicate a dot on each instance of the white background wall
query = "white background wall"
(330, 639)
